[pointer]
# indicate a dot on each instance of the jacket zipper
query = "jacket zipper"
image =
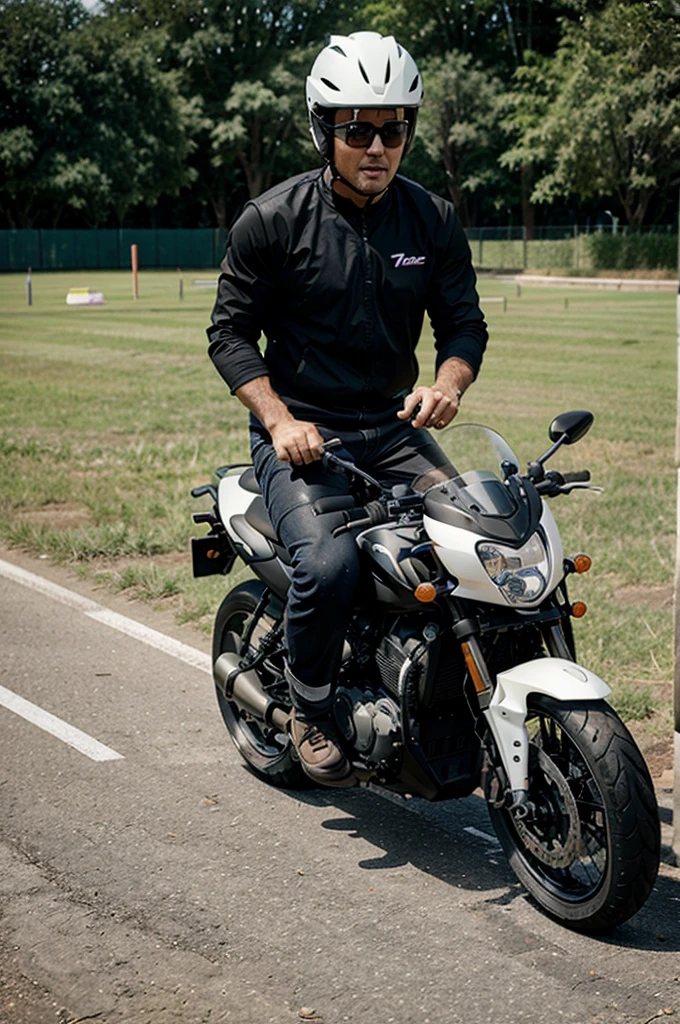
(368, 281)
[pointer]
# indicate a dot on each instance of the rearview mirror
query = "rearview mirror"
(570, 427)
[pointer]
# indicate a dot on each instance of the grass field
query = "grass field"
(110, 414)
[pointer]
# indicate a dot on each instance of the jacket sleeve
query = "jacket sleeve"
(453, 304)
(245, 291)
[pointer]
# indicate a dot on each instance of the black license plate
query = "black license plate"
(212, 555)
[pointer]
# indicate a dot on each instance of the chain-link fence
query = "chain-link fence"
(574, 248)
(565, 248)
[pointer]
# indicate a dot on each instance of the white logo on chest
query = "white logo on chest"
(402, 260)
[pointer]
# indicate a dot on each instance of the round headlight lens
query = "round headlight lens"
(521, 574)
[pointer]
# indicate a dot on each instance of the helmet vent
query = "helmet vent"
(387, 71)
(330, 85)
(362, 69)
(339, 49)
(414, 83)
(399, 50)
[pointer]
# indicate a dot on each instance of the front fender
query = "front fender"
(506, 714)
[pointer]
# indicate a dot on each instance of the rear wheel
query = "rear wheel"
(268, 752)
(588, 852)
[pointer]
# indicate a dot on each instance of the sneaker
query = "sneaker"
(320, 756)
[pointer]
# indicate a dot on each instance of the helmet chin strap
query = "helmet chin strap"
(336, 176)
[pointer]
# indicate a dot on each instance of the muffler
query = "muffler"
(245, 688)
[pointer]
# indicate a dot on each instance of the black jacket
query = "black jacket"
(340, 294)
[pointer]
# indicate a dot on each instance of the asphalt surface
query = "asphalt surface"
(168, 884)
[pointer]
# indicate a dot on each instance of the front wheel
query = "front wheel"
(588, 851)
(267, 751)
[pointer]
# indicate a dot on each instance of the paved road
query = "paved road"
(168, 885)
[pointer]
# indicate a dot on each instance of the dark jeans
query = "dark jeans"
(326, 568)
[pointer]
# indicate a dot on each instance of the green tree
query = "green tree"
(90, 123)
(135, 125)
(33, 43)
(458, 124)
(603, 118)
(247, 62)
(495, 32)
(265, 130)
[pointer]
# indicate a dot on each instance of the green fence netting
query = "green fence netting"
(110, 249)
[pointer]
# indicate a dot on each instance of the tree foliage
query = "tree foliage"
(195, 105)
(89, 124)
(603, 117)
(458, 124)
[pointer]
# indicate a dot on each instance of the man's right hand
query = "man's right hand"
(296, 441)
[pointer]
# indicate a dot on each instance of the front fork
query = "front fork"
(505, 710)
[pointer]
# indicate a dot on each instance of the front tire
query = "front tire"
(589, 852)
(267, 751)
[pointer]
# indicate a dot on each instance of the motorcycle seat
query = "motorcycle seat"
(257, 517)
(248, 481)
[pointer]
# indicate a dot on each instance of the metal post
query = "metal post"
(29, 289)
(676, 674)
(181, 285)
(134, 256)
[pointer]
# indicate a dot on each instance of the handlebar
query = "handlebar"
(579, 476)
(358, 513)
(554, 482)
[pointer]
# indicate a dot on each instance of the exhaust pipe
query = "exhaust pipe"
(245, 688)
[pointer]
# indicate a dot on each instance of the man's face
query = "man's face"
(371, 169)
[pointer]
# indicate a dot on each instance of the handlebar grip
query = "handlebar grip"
(333, 503)
(370, 515)
(577, 477)
(376, 513)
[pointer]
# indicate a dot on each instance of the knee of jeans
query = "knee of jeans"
(329, 570)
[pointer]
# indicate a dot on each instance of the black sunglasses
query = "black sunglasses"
(360, 134)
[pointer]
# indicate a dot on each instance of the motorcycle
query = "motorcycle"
(459, 667)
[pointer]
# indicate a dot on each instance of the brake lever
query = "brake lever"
(349, 467)
(578, 485)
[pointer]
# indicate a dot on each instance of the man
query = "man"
(337, 268)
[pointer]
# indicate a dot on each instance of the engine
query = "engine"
(371, 723)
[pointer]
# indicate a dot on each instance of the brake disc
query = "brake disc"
(552, 851)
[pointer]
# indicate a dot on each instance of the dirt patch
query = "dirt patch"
(167, 560)
(57, 516)
(23, 1001)
(657, 751)
(658, 597)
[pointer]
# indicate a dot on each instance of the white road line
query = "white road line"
(190, 655)
(49, 722)
(57, 727)
(43, 586)
(481, 835)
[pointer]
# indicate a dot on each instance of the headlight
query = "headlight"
(522, 574)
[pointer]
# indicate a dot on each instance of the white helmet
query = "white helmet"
(364, 69)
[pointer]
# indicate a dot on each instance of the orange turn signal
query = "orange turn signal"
(582, 563)
(425, 592)
(578, 609)
(212, 553)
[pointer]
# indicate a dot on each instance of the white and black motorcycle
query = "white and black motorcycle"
(459, 666)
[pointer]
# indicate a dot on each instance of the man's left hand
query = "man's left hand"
(437, 407)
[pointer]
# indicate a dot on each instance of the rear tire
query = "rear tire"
(267, 751)
(590, 853)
